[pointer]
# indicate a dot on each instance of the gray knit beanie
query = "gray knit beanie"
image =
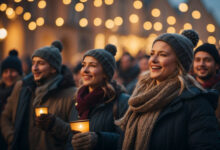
(182, 44)
(106, 58)
(51, 54)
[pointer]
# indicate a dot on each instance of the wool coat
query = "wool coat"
(15, 126)
(101, 119)
(187, 123)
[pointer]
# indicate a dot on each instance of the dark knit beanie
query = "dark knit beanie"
(13, 62)
(106, 58)
(211, 49)
(51, 54)
(183, 45)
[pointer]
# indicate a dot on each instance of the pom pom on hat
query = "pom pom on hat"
(192, 35)
(111, 48)
(58, 45)
(12, 62)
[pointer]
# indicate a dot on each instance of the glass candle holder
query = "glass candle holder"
(80, 126)
(41, 110)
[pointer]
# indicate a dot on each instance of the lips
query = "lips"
(155, 68)
(86, 77)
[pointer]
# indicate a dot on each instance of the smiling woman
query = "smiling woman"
(100, 100)
(168, 109)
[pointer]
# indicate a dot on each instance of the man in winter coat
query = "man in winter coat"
(206, 67)
(11, 71)
(46, 86)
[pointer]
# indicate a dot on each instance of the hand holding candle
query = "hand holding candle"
(41, 110)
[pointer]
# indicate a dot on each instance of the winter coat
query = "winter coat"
(187, 123)
(59, 100)
(101, 119)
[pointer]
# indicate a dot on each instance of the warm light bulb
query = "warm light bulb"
(40, 21)
(183, 7)
(83, 22)
(155, 12)
(196, 14)
(32, 25)
(187, 26)
(10, 13)
(137, 4)
(134, 18)
(109, 24)
(67, 2)
(118, 21)
(3, 33)
(42, 4)
(210, 28)
(97, 3)
(171, 20)
(97, 21)
(19, 10)
(17, 1)
(158, 26)
(109, 2)
(79, 7)
(147, 25)
(211, 40)
(171, 30)
(3, 7)
(27, 16)
(59, 22)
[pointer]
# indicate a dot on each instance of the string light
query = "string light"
(137, 4)
(211, 40)
(196, 14)
(17, 1)
(79, 7)
(97, 3)
(171, 20)
(67, 2)
(183, 7)
(30, 0)
(171, 30)
(210, 28)
(118, 21)
(83, 22)
(40, 21)
(109, 24)
(3, 7)
(59, 22)
(109, 2)
(42, 4)
(3, 33)
(147, 25)
(97, 21)
(27, 16)
(32, 25)
(134, 18)
(83, 1)
(158, 26)
(155, 12)
(19, 10)
(10, 13)
(187, 26)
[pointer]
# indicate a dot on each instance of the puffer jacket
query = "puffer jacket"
(188, 123)
(59, 100)
(101, 119)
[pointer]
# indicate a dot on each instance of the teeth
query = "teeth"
(156, 67)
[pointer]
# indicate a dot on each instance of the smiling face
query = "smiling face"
(10, 76)
(204, 66)
(41, 69)
(92, 73)
(163, 61)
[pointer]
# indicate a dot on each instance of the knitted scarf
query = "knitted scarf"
(145, 105)
(86, 101)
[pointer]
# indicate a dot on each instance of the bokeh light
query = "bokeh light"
(32, 25)
(137, 4)
(210, 28)
(155, 12)
(59, 22)
(147, 25)
(133, 18)
(83, 22)
(183, 7)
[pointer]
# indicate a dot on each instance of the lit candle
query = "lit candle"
(41, 110)
(80, 125)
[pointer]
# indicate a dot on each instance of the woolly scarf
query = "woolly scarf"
(86, 101)
(211, 82)
(145, 105)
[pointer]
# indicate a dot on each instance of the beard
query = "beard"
(206, 77)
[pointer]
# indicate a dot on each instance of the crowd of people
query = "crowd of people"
(166, 100)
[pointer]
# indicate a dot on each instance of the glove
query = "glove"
(45, 121)
(84, 141)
